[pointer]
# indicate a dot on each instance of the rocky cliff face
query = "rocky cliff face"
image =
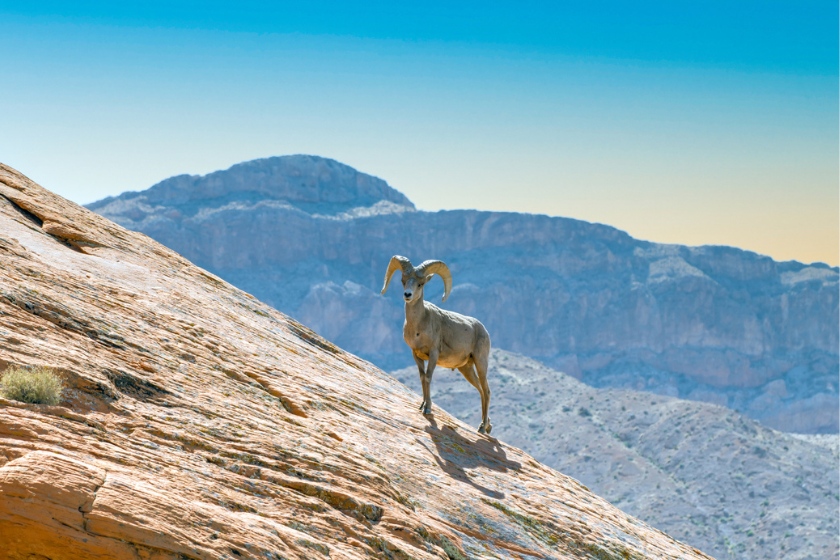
(203, 424)
(702, 473)
(714, 324)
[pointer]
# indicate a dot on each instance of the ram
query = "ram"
(443, 338)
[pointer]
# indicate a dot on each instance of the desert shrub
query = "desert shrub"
(37, 385)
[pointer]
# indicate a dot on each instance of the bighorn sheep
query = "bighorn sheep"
(442, 337)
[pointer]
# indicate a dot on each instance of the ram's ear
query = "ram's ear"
(428, 278)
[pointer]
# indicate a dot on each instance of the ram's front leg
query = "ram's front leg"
(427, 386)
(421, 366)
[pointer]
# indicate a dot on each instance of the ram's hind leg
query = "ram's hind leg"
(468, 371)
(481, 363)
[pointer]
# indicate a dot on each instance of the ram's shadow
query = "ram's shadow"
(455, 453)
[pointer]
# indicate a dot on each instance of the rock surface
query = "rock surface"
(201, 423)
(704, 474)
(713, 324)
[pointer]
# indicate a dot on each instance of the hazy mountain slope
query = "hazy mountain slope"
(715, 324)
(311, 184)
(705, 474)
(202, 424)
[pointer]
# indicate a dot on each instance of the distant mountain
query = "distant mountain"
(312, 237)
(312, 185)
(703, 474)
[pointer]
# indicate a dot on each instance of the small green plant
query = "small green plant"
(36, 385)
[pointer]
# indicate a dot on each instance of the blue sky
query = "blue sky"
(689, 123)
(777, 36)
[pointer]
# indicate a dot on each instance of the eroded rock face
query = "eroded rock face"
(201, 423)
(704, 474)
(713, 324)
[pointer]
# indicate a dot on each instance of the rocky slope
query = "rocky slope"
(704, 474)
(203, 424)
(313, 237)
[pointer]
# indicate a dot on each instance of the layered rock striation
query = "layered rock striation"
(201, 423)
(713, 324)
(704, 474)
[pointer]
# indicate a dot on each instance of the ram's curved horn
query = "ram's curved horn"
(439, 268)
(397, 263)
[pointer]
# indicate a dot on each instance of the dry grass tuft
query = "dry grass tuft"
(36, 385)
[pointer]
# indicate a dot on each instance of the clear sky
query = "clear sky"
(697, 123)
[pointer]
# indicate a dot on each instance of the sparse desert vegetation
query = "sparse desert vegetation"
(34, 385)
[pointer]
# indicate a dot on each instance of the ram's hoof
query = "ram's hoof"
(427, 410)
(485, 429)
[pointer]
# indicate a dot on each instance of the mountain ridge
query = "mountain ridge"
(403, 200)
(299, 180)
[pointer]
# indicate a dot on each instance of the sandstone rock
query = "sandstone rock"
(707, 475)
(715, 323)
(201, 423)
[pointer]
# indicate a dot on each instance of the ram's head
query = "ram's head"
(415, 277)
